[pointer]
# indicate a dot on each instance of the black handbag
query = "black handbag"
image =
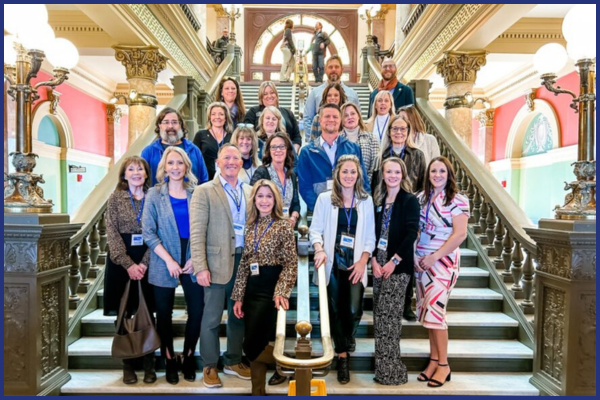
(137, 336)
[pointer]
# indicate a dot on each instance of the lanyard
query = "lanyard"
(379, 128)
(256, 243)
(349, 214)
(235, 198)
(139, 213)
(401, 153)
(219, 145)
(284, 182)
(249, 175)
(428, 209)
(386, 221)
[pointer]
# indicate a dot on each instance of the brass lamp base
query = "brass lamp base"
(580, 204)
(22, 194)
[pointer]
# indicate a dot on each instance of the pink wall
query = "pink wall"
(567, 119)
(86, 115)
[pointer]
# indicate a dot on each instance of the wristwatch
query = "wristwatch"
(396, 261)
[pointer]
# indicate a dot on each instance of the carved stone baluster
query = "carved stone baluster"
(103, 240)
(476, 205)
(528, 280)
(84, 260)
(499, 231)
(483, 222)
(74, 279)
(94, 251)
(464, 182)
(471, 196)
(490, 231)
(517, 267)
(507, 244)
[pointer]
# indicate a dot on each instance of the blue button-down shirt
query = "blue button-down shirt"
(239, 216)
(330, 150)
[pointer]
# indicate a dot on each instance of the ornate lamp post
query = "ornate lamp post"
(24, 52)
(233, 12)
(580, 32)
(368, 12)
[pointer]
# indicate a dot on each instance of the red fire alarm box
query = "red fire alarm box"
(79, 178)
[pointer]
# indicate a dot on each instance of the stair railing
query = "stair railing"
(301, 87)
(374, 71)
(305, 367)
(497, 222)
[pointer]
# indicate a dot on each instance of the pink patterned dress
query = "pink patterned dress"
(434, 286)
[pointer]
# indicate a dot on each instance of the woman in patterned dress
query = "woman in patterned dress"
(397, 225)
(444, 219)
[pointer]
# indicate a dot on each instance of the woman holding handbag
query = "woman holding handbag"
(343, 236)
(166, 226)
(128, 256)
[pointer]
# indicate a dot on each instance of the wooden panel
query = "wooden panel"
(259, 19)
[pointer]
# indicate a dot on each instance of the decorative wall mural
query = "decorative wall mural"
(538, 137)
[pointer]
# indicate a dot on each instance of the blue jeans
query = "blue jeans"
(318, 67)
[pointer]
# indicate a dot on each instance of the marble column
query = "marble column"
(142, 63)
(565, 308)
(459, 70)
(486, 131)
(37, 253)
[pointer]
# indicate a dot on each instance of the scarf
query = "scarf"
(390, 85)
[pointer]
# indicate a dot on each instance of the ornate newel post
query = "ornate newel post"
(36, 268)
(565, 308)
(459, 70)
(192, 111)
(143, 63)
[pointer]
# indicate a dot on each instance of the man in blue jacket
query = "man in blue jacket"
(172, 131)
(317, 159)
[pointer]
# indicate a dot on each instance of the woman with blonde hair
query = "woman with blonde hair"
(245, 139)
(424, 141)
(166, 230)
(355, 130)
(269, 96)
(218, 132)
(397, 226)
(265, 279)
(381, 115)
(343, 236)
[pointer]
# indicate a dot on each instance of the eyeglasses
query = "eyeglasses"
(388, 66)
(281, 147)
(169, 123)
(245, 126)
(399, 129)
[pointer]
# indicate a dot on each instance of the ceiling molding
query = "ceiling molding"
(77, 27)
(528, 35)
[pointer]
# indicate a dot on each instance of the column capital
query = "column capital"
(461, 66)
(486, 118)
(113, 113)
(142, 62)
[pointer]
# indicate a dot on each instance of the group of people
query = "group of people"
(217, 216)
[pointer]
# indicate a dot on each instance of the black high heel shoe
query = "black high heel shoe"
(424, 378)
(437, 384)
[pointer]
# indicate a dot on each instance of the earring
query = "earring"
(186, 179)
(166, 179)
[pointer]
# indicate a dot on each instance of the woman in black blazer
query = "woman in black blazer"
(278, 162)
(397, 214)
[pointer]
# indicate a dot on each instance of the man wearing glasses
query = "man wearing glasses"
(402, 94)
(171, 131)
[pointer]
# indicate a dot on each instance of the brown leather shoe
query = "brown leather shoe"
(211, 378)
(240, 370)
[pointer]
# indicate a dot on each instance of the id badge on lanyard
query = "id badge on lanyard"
(239, 229)
(137, 240)
(254, 269)
(347, 240)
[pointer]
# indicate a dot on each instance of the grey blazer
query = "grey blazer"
(212, 238)
(160, 227)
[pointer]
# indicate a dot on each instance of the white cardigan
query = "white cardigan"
(323, 230)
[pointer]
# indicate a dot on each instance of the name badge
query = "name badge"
(254, 270)
(347, 240)
(239, 229)
(329, 184)
(286, 212)
(426, 238)
(382, 245)
(137, 240)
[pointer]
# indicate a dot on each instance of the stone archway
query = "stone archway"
(264, 31)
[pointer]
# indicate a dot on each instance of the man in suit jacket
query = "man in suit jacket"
(318, 46)
(217, 225)
(402, 94)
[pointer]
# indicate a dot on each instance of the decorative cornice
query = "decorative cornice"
(61, 30)
(144, 62)
(414, 16)
(459, 66)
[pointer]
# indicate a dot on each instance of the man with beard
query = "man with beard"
(318, 158)
(333, 68)
(402, 94)
(172, 131)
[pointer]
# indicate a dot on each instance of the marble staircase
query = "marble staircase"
(485, 354)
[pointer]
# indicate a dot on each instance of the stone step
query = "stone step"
(108, 383)
(464, 355)
(463, 325)
(462, 299)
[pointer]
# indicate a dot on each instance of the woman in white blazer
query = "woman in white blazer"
(343, 236)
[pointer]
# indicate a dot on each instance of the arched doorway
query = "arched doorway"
(264, 34)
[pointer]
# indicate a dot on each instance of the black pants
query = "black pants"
(165, 301)
(410, 291)
(345, 309)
